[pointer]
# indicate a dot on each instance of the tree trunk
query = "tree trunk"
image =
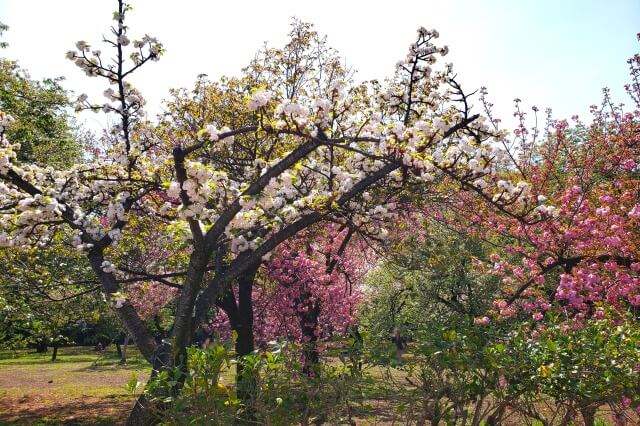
(243, 326)
(148, 412)
(240, 314)
(309, 326)
(496, 417)
(127, 314)
(143, 413)
(41, 346)
(184, 325)
(589, 415)
(125, 346)
(54, 355)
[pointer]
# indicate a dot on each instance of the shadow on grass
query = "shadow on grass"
(47, 361)
(68, 355)
(110, 365)
(28, 410)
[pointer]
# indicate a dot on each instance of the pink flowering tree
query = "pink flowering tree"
(310, 290)
(578, 245)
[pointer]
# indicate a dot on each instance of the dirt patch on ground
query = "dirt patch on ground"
(34, 408)
(80, 389)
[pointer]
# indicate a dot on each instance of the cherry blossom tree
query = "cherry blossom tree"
(310, 290)
(580, 249)
(295, 142)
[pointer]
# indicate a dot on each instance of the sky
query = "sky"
(549, 53)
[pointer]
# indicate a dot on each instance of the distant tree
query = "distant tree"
(44, 127)
(429, 279)
(47, 135)
(3, 28)
(309, 290)
(45, 298)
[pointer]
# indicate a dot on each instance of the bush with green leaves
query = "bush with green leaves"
(272, 388)
(428, 281)
(567, 367)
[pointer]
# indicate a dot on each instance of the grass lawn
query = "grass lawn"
(80, 387)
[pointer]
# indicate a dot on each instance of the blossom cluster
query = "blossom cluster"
(299, 282)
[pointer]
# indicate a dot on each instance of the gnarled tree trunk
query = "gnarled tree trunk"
(240, 316)
(589, 415)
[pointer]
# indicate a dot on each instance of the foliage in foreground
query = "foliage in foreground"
(273, 390)
(469, 376)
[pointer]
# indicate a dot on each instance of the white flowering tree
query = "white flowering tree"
(290, 144)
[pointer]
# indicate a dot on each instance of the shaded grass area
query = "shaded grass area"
(80, 387)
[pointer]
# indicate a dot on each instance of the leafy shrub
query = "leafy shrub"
(271, 387)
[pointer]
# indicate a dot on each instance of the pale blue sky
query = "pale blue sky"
(555, 54)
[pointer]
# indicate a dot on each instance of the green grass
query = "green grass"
(74, 354)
